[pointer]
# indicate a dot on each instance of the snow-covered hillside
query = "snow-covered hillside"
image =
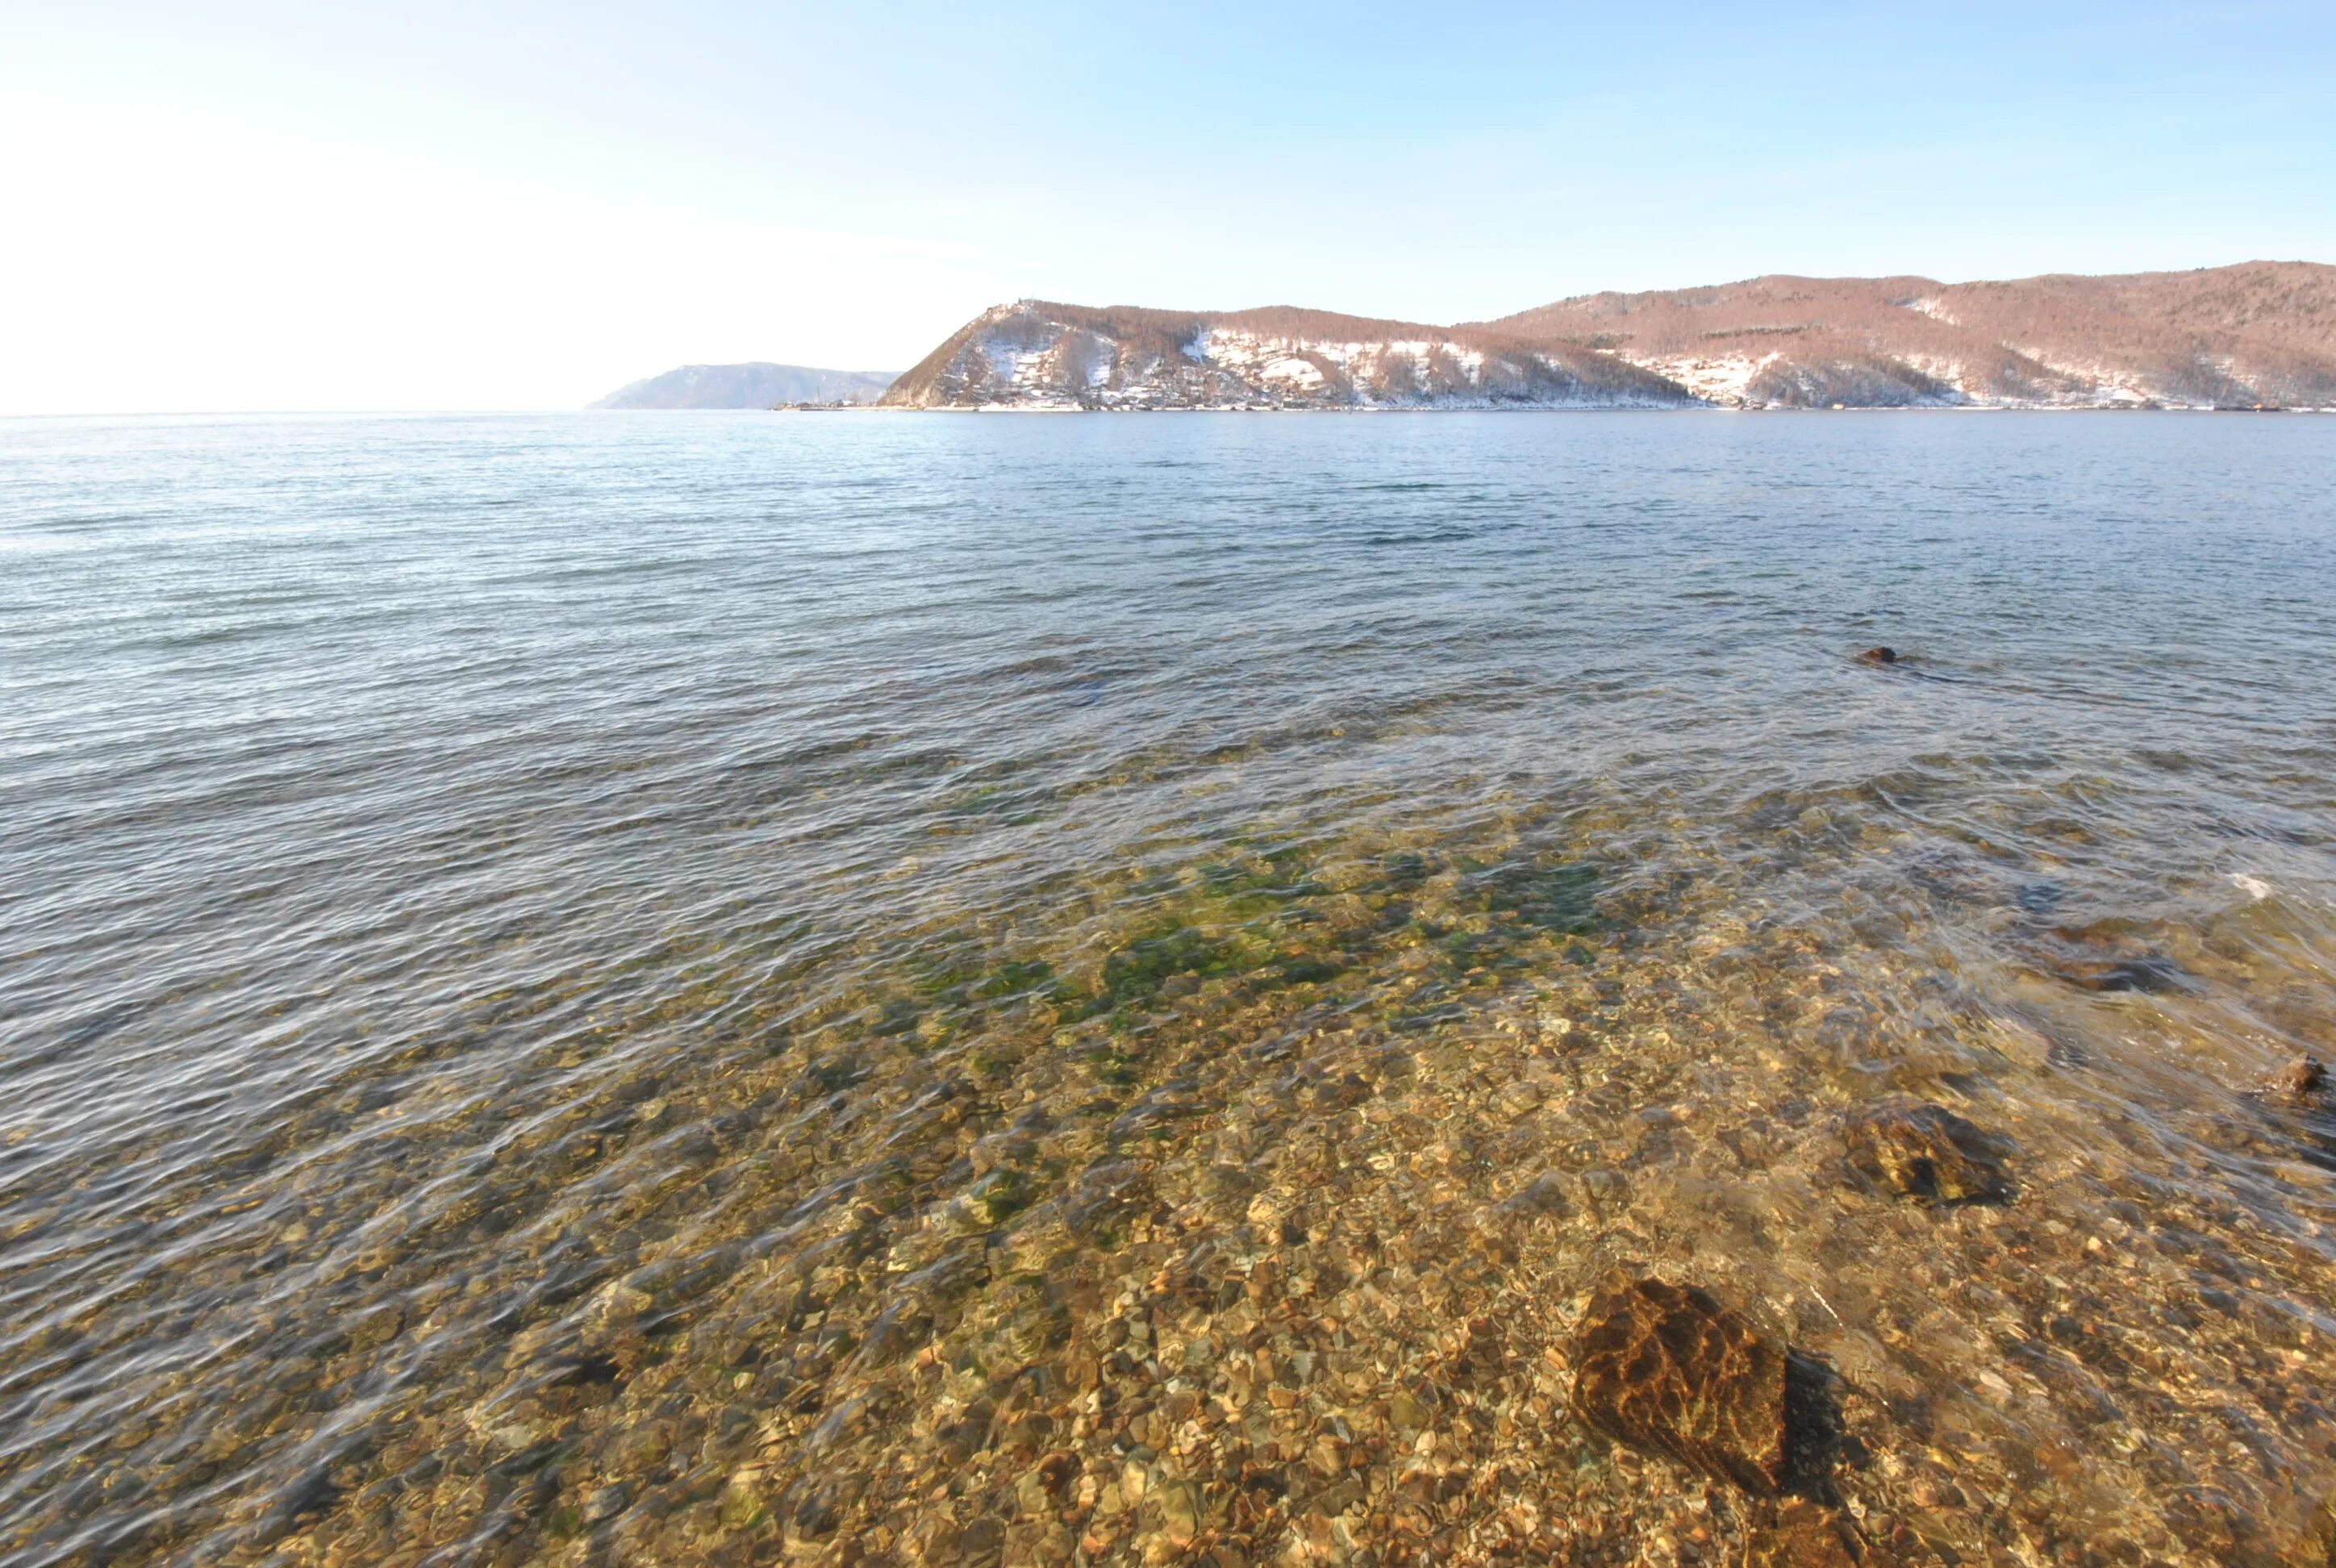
(2259, 335)
(2256, 334)
(1034, 354)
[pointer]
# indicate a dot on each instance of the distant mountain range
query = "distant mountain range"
(754, 385)
(2261, 334)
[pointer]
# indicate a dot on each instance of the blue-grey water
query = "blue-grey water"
(623, 989)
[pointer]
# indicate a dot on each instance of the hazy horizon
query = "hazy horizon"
(433, 208)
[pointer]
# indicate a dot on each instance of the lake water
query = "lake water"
(617, 988)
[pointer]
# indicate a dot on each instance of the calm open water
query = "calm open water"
(605, 988)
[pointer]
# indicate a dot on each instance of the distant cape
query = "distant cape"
(755, 385)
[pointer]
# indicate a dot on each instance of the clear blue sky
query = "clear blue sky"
(489, 205)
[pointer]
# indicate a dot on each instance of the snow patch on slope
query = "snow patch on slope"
(1715, 378)
(2099, 385)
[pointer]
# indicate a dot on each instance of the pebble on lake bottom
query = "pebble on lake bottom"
(1928, 1152)
(2302, 1085)
(1805, 1534)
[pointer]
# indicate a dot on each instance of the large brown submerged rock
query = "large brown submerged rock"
(1666, 1369)
(1925, 1151)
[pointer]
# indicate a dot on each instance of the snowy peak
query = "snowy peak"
(1035, 354)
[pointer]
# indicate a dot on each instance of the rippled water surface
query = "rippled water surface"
(935, 988)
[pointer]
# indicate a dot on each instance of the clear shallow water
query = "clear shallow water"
(703, 988)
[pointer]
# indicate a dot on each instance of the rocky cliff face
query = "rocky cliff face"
(1036, 355)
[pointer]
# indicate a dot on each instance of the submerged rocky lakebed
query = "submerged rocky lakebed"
(716, 989)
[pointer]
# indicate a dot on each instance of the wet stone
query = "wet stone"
(982, 1541)
(1804, 1534)
(1178, 1507)
(2322, 1550)
(2147, 973)
(1668, 1369)
(2103, 957)
(1609, 1190)
(1545, 1194)
(1926, 1152)
(2211, 1520)
(2302, 1085)
(1878, 655)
